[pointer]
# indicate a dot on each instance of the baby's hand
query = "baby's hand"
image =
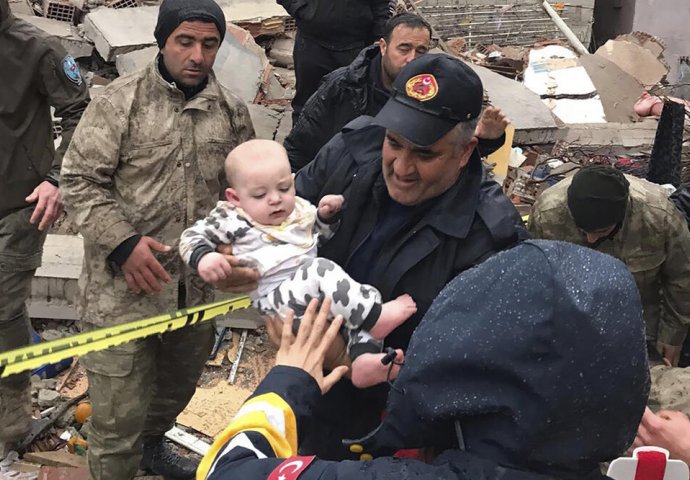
(213, 267)
(330, 205)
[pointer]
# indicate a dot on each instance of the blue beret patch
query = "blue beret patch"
(71, 70)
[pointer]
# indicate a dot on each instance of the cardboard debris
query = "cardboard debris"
(638, 61)
(212, 409)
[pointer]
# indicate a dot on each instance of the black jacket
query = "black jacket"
(459, 229)
(344, 95)
(341, 24)
(37, 73)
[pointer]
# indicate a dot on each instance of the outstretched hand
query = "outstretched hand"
(492, 124)
(308, 349)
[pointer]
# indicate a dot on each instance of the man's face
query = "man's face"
(414, 174)
(594, 238)
(404, 45)
(190, 51)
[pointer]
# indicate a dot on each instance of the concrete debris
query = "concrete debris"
(641, 62)
(533, 121)
(265, 121)
(66, 34)
(131, 62)
(617, 90)
(63, 473)
(47, 398)
(555, 74)
(281, 51)
(118, 31)
(241, 65)
(507, 61)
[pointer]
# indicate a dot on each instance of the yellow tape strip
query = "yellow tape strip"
(33, 356)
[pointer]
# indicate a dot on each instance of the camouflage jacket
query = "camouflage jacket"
(654, 242)
(146, 161)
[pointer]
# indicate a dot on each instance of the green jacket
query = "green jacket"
(654, 242)
(36, 74)
(146, 161)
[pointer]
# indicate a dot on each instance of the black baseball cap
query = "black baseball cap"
(430, 96)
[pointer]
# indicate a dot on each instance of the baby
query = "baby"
(272, 229)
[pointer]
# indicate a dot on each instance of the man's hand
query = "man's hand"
(671, 353)
(242, 279)
(142, 270)
(336, 355)
(49, 206)
(329, 205)
(214, 267)
(308, 350)
(492, 124)
(666, 429)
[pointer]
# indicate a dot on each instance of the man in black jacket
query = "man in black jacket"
(330, 34)
(360, 88)
(37, 74)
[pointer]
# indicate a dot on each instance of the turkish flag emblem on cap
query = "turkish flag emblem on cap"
(291, 468)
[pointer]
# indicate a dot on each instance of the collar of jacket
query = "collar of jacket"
(358, 71)
(453, 211)
(203, 100)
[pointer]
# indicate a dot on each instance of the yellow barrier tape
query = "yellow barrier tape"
(33, 356)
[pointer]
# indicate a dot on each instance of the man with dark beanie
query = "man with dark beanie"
(145, 163)
(634, 221)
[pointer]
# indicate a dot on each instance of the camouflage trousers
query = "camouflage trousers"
(359, 304)
(670, 389)
(137, 390)
(21, 246)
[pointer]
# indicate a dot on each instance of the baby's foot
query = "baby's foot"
(393, 314)
(367, 369)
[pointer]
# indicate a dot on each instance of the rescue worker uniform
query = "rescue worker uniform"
(653, 241)
(538, 382)
(37, 74)
(146, 161)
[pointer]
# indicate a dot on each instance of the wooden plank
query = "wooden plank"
(60, 458)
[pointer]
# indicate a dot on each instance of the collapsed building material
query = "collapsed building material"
(641, 62)
(64, 32)
(118, 31)
(131, 62)
(265, 121)
(563, 27)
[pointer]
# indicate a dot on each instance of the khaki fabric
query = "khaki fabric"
(654, 242)
(670, 389)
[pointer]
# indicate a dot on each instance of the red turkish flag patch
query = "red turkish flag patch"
(291, 468)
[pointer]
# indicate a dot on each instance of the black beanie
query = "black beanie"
(598, 197)
(173, 12)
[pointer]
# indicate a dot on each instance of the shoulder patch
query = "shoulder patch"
(291, 468)
(71, 70)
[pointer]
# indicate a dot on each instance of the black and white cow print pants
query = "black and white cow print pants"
(359, 304)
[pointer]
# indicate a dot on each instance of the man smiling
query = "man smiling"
(144, 165)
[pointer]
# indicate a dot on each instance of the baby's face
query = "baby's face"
(266, 194)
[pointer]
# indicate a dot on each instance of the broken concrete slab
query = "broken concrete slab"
(237, 10)
(131, 62)
(60, 458)
(633, 135)
(284, 126)
(241, 64)
(281, 51)
(265, 121)
(636, 60)
(118, 31)
(65, 33)
(533, 121)
(618, 90)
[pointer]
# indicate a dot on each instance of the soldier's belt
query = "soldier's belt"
(28, 358)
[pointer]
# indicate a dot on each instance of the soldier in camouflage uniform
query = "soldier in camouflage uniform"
(634, 221)
(145, 163)
(37, 73)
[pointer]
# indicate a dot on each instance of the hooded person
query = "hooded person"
(531, 365)
(37, 75)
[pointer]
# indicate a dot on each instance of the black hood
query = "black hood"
(539, 352)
